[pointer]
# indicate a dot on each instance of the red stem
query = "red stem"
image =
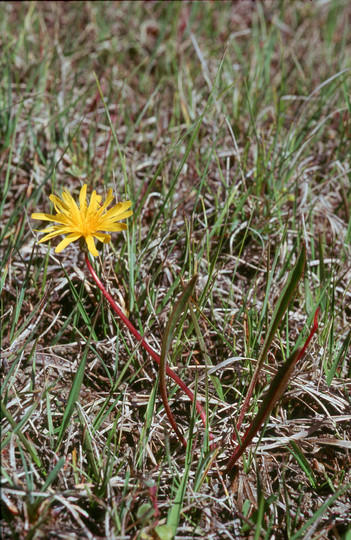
(149, 349)
(311, 334)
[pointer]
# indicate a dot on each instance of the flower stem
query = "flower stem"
(149, 349)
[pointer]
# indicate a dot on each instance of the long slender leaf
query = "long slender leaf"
(275, 391)
(340, 354)
(75, 389)
(319, 513)
(305, 466)
(53, 474)
(176, 508)
(215, 380)
(166, 345)
(280, 309)
(17, 430)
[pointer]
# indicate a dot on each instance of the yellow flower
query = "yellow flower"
(85, 221)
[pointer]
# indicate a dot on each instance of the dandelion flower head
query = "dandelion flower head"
(85, 221)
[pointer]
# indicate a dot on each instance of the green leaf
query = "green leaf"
(176, 508)
(145, 511)
(215, 380)
(302, 461)
(17, 430)
(319, 513)
(338, 358)
(279, 311)
(166, 345)
(164, 532)
(275, 391)
(53, 474)
(74, 393)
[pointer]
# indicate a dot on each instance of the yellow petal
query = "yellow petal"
(60, 206)
(73, 209)
(47, 230)
(64, 243)
(83, 203)
(124, 215)
(91, 245)
(83, 197)
(115, 227)
(117, 209)
(94, 204)
(58, 218)
(105, 238)
(49, 236)
(108, 201)
(53, 228)
(43, 217)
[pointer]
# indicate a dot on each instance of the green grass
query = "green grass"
(228, 126)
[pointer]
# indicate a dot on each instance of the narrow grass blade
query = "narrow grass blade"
(280, 309)
(319, 513)
(174, 513)
(146, 427)
(80, 305)
(276, 390)
(261, 507)
(4, 275)
(75, 389)
(338, 358)
(87, 445)
(17, 430)
(215, 380)
(53, 474)
(166, 345)
(176, 507)
(302, 461)
(47, 484)
(37, 310)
